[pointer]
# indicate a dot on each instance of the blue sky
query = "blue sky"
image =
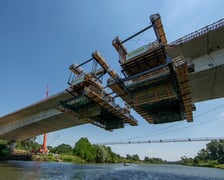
(40, 39)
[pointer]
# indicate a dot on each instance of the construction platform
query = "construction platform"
(154, 85)
(90, 100)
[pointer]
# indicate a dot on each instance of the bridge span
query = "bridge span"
(206, 49)
(86, 101)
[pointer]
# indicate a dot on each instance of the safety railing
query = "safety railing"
(198, 33)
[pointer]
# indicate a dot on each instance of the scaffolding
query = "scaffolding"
(89, 100)
(154, 85)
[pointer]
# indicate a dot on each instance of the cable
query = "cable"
(155, 133)
(208, 121)
(209, 111)
(139, 142)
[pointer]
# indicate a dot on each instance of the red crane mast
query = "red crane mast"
(43, 148)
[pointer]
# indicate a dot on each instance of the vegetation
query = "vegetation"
(211, 156)
(28, 145)
(4, 149)
(94, 153)
(62, 149)
(85, 152)
(154, 160)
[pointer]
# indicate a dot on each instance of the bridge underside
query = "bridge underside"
(207, 54)
(198, 46)
(49, 115)
(36, 119)
(208, 84)
(61, 121)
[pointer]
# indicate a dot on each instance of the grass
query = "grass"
(71, 158)
(221, 166)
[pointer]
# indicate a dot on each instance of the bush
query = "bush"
(4, 150)
(71, 158)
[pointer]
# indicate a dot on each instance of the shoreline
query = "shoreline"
(48, 158)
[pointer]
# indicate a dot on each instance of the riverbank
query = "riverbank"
(57, 158)
(84, 152)
(77, 160)
(220, 166)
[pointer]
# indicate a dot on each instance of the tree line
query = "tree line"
(210, 156)
(82, 152)
(99, 154)
(85, 152)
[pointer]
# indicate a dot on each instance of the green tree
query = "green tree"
(187, 161)
(202, 155)
(2, 141)
(221, 152)
(4, 150)
(103, 154)
(111, 156)
(85, 150)
(63, 149)
(212, 149)
(214, 153)
(146, 159)
(128, 157)
(28, 144)
(153, 160)
(135, 157)
(100, 154)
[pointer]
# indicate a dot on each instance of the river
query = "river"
(10, 170)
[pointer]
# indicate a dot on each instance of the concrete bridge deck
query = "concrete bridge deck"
(37, 119)
(206, 49)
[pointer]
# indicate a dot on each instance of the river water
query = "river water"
(30, 170)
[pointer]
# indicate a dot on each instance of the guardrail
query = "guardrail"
(198, 33)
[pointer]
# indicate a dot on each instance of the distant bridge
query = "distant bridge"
(177, 140)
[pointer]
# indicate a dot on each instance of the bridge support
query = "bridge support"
(12, 145)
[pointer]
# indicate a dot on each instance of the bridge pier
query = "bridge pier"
(12, 145)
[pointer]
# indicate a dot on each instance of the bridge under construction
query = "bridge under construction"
(156, 82)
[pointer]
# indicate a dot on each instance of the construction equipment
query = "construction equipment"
(89, 99)
(154, 85)
(43, 148)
